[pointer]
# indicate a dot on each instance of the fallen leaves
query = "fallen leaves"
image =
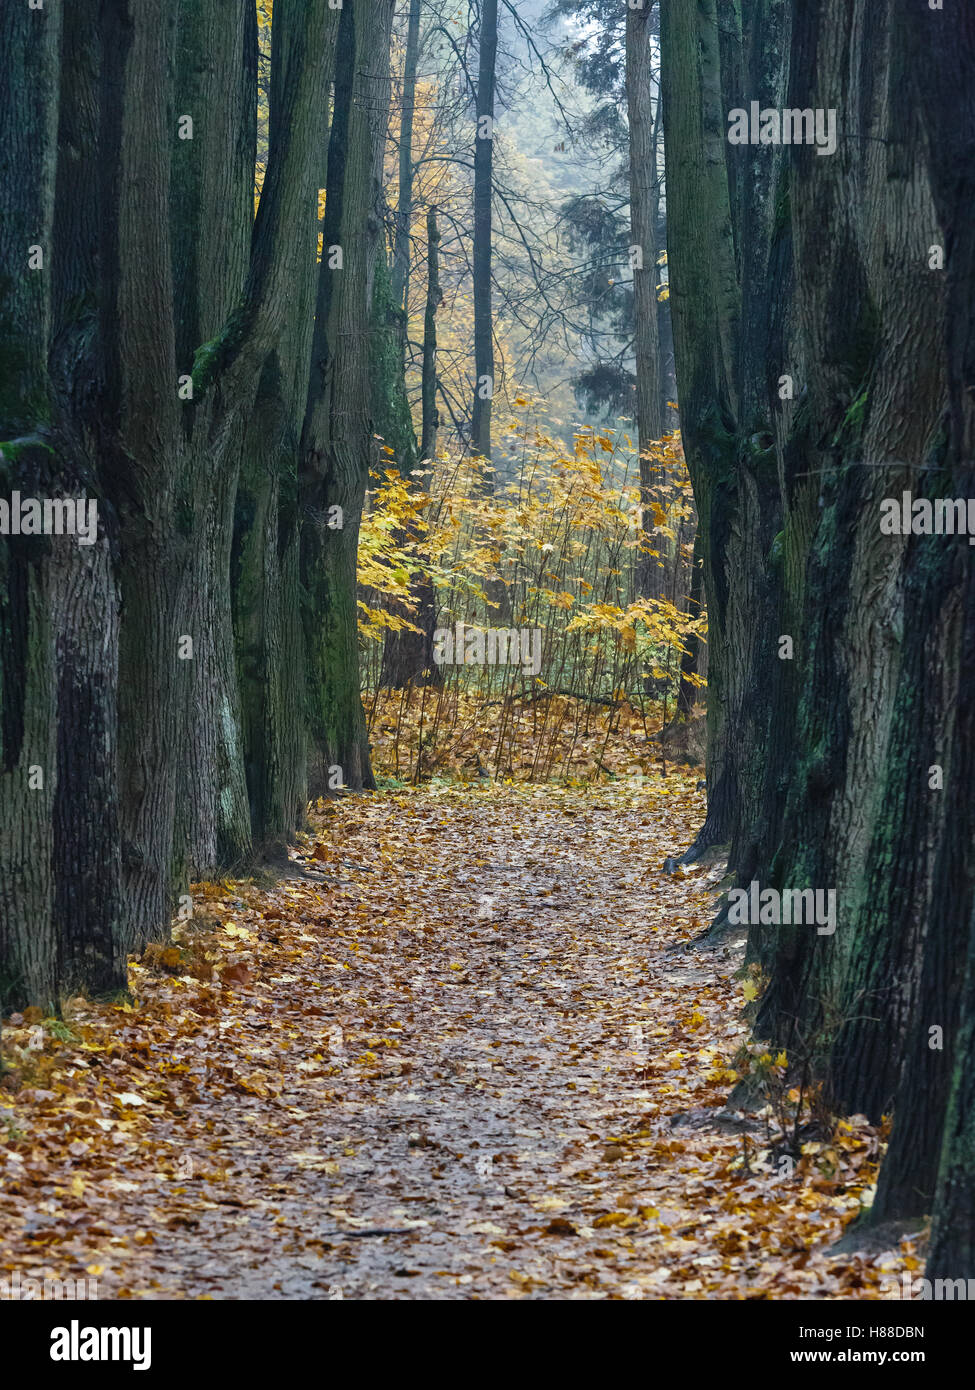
(455, 1061)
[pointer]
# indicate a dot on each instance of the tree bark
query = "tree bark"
(484, 383)
(408, 655)
(102, 722)
(704, 298)
(31, 44)
(248, 764)
(404, 200)
(830, 750)
(213, 220)
(947, 64)
(644, 200)
(337, 448)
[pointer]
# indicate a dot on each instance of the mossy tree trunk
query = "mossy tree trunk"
(844, 654)
(105, 720)
(867, 421)
(213, 219)
(59, 870)
(254, 311)
(705, 308)
(946, 64)
(337, 448)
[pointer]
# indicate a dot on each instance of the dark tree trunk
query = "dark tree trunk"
(704, 297)
(337, 448)
(104, 730)
(249, 747)
(857, 804)
(404, 201)
(31, 43)
(88, 902)
(140, 446)
(644, 199)
(430, 414)
(831, 750)
(267, 601)
(947, 64)
(213, 220)
(59, 870)
(484, 383)
(408, 655)
(688, 691)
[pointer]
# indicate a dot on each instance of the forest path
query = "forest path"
(450, 1069)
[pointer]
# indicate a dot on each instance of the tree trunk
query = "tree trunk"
(408, 655)
(213, 220)
(688, 691)
(88, 903)
(248, 754)
(59, 871)
(31, 43)
(430, 414)
(404, 201)
(705, 311)
(481, 256)
(832, 749)
(103, 638)
(947, 64)
(266, 588)
(856, 803)
(28, 734)
(644, 199)
(337, 448)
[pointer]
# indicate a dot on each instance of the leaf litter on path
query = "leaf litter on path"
(467, 1058)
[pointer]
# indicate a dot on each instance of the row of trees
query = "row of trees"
(621, 225)
(822, 310)
(171, 693)
(219, 386)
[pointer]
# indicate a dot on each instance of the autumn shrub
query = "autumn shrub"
(566, 540)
